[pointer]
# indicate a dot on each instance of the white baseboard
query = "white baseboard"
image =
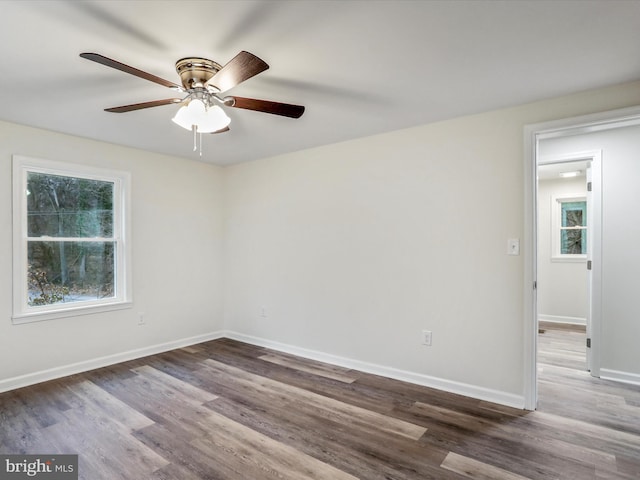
(618, 376)
(63, 371)
(562, 319)
(467, 390)
(473, 391)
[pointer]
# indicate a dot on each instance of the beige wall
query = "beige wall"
(177, 283)
(355, 248)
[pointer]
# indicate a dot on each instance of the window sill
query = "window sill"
(569, 259)
(74, 311)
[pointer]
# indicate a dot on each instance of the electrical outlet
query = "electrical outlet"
(141, 319)
(263, 312)
(426, 337)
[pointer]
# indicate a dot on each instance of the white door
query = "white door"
(594, 262)
(590, 237)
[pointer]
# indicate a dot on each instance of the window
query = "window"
(573, 228)
(570, 228)
(70, 248)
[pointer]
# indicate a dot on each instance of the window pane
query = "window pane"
(574, 214)
(70, 271)
(573, 242)
(59, 206)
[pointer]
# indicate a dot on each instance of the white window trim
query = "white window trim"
(556, 215)
(22, 313)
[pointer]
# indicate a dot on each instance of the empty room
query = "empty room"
(317, 239)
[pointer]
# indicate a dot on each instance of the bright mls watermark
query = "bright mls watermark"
(50, 467)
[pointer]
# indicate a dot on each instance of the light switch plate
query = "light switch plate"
(513, 246)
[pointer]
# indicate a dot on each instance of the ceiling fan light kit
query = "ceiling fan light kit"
(204, 119)
(202, 82)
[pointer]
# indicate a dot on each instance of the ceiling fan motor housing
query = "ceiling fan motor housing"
(195, 71)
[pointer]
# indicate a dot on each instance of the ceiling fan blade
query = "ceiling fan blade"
(276, 108)
(96, 57)
(140, 106)
(240, 68)
(222, 130)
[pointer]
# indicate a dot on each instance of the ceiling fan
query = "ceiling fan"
(204, 81)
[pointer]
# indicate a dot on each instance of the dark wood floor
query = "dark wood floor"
(230, 411)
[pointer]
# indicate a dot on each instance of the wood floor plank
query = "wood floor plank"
(20, 430)
(335, 373)
(183, 417)
(471, 468)
(192, 349)
(629, 465)
(175, 472)
(556, 452)
(224, 410)
(261, 457)
(515, 457)
(174, 387)
(87, 393)
(187, 462)
(99, 430)
(43, 403)
(327, 407)
(104, 451)
(611, 439)
(373, 456)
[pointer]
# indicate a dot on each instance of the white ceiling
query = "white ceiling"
(552, 171)
(359, 67)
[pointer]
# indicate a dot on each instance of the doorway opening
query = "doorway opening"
(565, 132)
(567, 229)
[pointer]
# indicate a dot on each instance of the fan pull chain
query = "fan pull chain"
(194, 129)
